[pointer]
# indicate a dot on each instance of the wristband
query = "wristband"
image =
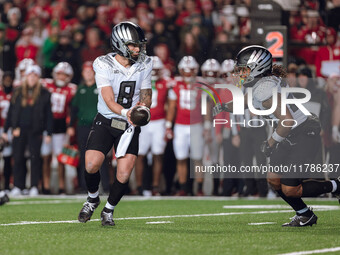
(123, 112)
(277, 137)
(168, 124)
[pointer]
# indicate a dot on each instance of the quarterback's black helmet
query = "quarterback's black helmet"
(126, 33)
(257, 58)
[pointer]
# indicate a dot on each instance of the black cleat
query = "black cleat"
(301, 221)
(3, 198)
(88, 209)
(107, 218)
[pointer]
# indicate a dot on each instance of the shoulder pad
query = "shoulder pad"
(103, 65)
(263, 89)
(148, 61)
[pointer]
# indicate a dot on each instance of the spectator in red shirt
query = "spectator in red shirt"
(102, 21)
(94, 47)
(41, 10)
(162, 51)
(120, 15)
(328, 54)
(25, 47)
(119, 7)
(190, 8)
(312, 33)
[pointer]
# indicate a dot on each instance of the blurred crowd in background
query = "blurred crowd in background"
(58, 40)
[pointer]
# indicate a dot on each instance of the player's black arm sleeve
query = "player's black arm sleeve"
(146, 97)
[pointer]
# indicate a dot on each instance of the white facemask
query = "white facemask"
(60, 83)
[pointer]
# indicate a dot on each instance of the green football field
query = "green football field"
(166, 226)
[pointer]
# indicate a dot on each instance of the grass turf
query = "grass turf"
(228, 234)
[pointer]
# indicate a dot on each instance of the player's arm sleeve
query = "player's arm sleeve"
(102, 73)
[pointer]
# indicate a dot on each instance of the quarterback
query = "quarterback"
(123, 79)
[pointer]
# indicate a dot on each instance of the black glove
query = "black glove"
(266, 149)
(218, 108)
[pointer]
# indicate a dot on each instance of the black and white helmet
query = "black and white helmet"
(126, 33)
(254, 60)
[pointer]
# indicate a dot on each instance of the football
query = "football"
(140, 115)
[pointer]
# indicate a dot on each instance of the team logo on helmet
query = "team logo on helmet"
(251, 62)
(126, 33)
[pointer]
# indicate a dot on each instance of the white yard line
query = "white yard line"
(330, 207)
(260, 223)
(159, 222)
(156, 217)
(146, 217)
(316, 207)
(334, 249)
(63, 201)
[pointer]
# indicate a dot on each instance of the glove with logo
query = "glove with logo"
(218, 108)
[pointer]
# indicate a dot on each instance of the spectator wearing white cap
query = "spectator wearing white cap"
(29, 116)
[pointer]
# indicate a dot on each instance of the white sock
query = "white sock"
(109, 206)
(303, 210)
(93, 195)
(335, 186)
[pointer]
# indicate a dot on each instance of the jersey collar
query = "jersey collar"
(128, 72)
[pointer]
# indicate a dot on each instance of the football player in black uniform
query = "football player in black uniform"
(295, 140)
